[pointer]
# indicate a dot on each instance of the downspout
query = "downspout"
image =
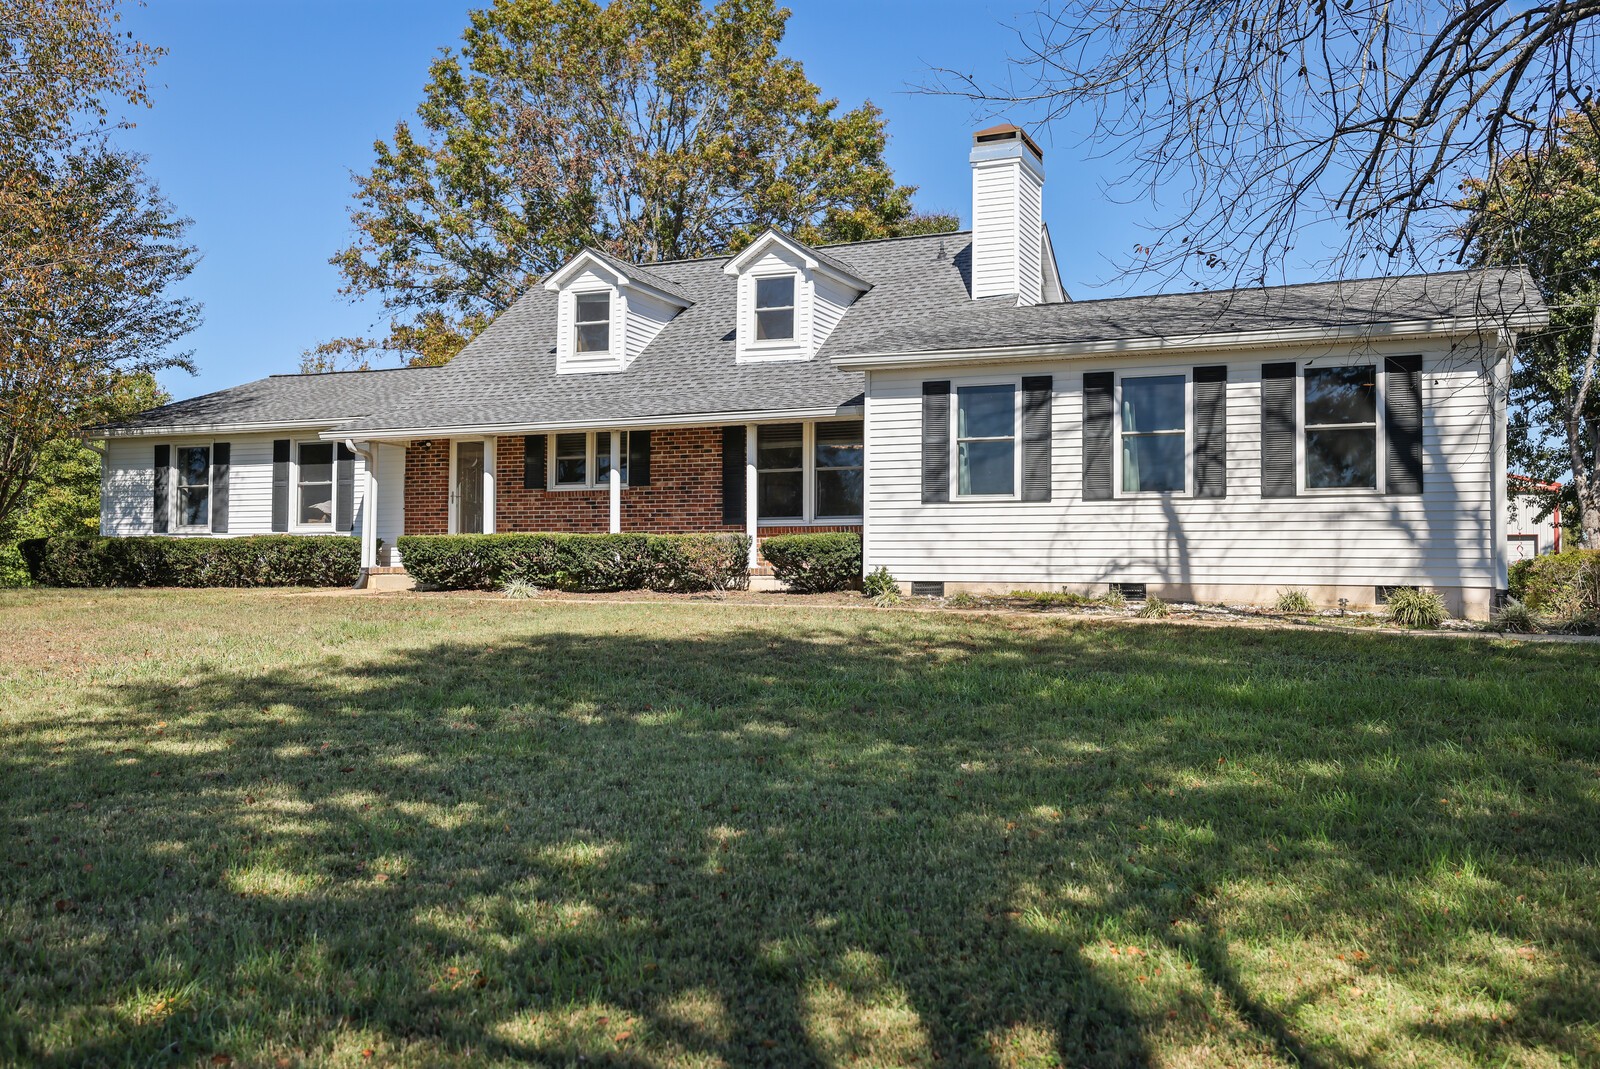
(369, 508)
(1500, 392)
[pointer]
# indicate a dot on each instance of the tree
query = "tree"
(654, 129)
(88, 248)
(1264, 121)
(1541, 209)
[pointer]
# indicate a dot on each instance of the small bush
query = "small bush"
(519, 589)
(1516, 618)
(1560, 585)
(1153, 609)
(583, 563)
(1422, 609)
(963, 600)
(879, 583)
(1294, 601)
(259, 560)
(815, 563)
(1114, 599)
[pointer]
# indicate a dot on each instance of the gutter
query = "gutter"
(1255, 339)
(179, 430)
(607, 423)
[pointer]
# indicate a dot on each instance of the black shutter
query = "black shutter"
(1211, 431)
(535, 448)
(733, 475)
(935, 442)
(280, 484)
(1036, 390)
(638, 458)
(163, 479)
(1099, 392)
(344, 491)
(1402, 421)
(1277, 430)
(221, 454)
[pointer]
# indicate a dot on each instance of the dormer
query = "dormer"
(790, 298)
(608, 311)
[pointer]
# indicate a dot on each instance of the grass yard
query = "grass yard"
(259, 829)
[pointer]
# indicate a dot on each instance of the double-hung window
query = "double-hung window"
(194, 486)
(780, 471)
(775, 308)
(1341, 427)
(986, 440)
(838, 459)
(315, 489)
(581, 453)
(592, 323)
(1154, 433)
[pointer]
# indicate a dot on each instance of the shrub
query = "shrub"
(1515, 617)
(519, 589)
(1561, 585)
(814, 563)
(1153, 609)
(1410, 607)
(259, 560)
(588, 563)
(1114, 599)
(879, 583)
(1295, 601)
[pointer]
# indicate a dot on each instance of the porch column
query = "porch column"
(491, 448)
(369, 507)
(751, 525)
(614, 482)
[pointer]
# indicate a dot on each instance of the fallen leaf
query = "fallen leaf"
(622, 1037)
(221, 1059)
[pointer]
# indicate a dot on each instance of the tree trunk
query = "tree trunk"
(1583, 478)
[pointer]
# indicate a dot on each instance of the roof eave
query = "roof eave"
(105, 433)
(1260, 339)
(701, 419)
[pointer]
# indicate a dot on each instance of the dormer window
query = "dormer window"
(775, 308)
(593, 323)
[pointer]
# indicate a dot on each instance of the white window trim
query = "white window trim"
(956, 386)
(797, 347)
(295, 526)
(776, 344)
(1302, 454)
(612, 300)
(175, 486)
(595, 443)
(808, 476)
(1188, 432)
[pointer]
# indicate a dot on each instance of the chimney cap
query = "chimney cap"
(1007, 132)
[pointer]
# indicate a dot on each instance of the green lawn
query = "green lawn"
(267, 829)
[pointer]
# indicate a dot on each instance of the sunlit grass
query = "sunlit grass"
(290, 830)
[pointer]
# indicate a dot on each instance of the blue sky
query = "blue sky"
(262, 111)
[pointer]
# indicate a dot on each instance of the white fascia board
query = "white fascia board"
(712, 419)
(813, 263)
(188, 429)
(1258, 339)
(564, 274)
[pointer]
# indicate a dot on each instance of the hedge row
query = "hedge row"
(1564, 586)
(580, 562)
(814, 563)
(261, 560)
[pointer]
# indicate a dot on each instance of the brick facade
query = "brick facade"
(685, 492)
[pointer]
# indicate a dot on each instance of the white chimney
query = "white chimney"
(1007, 215)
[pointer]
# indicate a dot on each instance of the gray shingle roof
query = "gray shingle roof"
(634, 271)
(919, 302)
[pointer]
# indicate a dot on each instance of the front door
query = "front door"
(469, 487)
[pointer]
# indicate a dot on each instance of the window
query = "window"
(316, 484)
(572, 459)
(986, 441)
(780, 471)
(1341, 427)
(1154, 434)
(194, 486)
(581, 452)
(837, 458)
(593, 319)
(775, 308)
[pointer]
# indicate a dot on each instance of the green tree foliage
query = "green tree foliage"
(1542, 210)
(88, 248)
(654, 129)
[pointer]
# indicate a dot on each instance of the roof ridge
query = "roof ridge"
(825, 245)
(1292, 285)
(344, 371)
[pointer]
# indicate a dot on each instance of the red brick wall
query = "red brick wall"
(685, 491)
(428, 487)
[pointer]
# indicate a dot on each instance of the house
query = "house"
(1527, 535)
(941, 394)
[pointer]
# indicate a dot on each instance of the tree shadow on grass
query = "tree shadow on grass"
(966, 847)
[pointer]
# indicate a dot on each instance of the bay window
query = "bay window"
(1154, 430)
(986, 441)
(1341, 427)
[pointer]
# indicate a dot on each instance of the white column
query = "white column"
(490, 448)
(614, 482)
(369, 508)
(751, 526)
